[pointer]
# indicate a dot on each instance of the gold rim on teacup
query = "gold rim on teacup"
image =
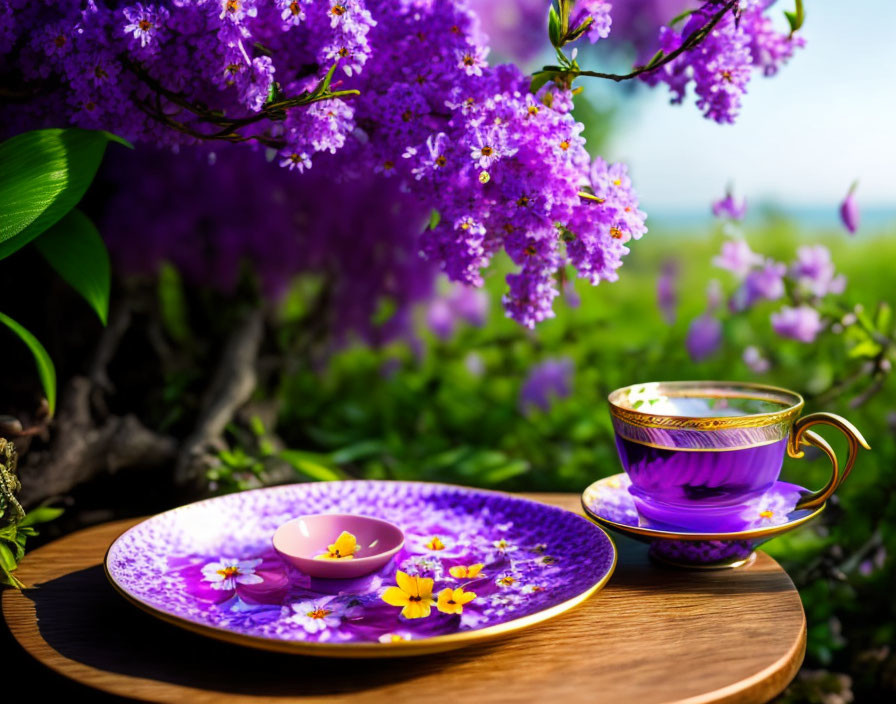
(793, 403)
(679, 432)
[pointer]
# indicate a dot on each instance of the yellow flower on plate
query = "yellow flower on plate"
(451, 601)
(343, 549)
(435, 543)
(413, 593)
(461, 572)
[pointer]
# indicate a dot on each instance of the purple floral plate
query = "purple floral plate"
(475, 565)
(608, 503)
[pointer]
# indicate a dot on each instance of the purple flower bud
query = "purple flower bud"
(802, 323)
(704, 337)
(728, 207)
(849, 210)
(546, 381)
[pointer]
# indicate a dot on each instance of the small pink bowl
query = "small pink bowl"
(300, 539)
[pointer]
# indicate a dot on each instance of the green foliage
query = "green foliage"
(15, 525)
(43, 175)
(75, 250)
(45, 369)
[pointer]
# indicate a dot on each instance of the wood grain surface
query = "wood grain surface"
(652, 635)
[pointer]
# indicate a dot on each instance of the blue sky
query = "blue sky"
(803, 136)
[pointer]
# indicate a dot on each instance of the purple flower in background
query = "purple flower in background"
(737, 257)
(462, 304)
(704, 337)
(667, 290)
(730, 207)
(814, 271)
(849, 210)
(440, 318)
(546, 381)
(801, 323)
(766, 283)
(755, 360)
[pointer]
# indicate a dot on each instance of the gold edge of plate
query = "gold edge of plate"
(769, 532)
(408, 648)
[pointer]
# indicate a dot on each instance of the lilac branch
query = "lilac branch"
(660, 60)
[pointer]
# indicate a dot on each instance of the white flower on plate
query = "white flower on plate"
(316, 616)
(227, 572)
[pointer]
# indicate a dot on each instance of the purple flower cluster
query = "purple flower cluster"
(720, 67)
(808, 280)
(503, 168)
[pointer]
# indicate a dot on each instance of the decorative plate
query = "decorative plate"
(476, 565)
(609, 503)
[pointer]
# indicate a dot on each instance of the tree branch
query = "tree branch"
(232, 385)
(690, 42)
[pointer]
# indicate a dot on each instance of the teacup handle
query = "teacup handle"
(801, 435)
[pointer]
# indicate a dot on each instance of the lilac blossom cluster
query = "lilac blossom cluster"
(802, 286)
(721, 66)
(503, 169)
(805, 282)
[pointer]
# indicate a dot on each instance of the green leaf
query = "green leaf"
(43, 175)
(435, 217)
(45, 368)
(655, 59)
(554, 28)
(866, 348)
(7, 559)
(308, 464)
(42, 514)
(76, 251)
(173, 303)
(797, 17)
(540, 79)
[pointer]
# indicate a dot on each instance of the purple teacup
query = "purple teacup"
(697, 451)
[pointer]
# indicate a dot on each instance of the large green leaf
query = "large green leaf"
(75, 249)
(45, 368)
(43, 175)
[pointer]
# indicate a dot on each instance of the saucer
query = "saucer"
(609, 504)
(475, 565)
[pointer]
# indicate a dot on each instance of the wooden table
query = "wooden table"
(652, 635)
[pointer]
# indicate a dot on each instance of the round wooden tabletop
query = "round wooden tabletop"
(652, 635)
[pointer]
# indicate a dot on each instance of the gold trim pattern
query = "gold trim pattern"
(710, 389)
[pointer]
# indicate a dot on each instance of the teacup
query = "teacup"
(698, 451)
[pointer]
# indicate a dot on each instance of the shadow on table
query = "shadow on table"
(635, 571)
(117, 637)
